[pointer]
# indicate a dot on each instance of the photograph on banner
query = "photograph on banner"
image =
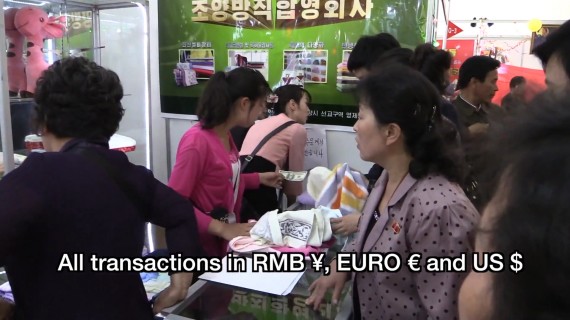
(254, 59)
(202, 61)
(184, 75)
(345, 80)
(312, 62)
(539, 37)
(292, 77)
(506, 51)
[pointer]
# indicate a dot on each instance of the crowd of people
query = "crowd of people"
(449, 176)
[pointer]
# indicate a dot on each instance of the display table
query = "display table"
(205, 300)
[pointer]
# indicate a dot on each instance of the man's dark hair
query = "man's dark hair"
(369, 48)
(76, 98)
(391, 57)
(556, 43)
(515, 81)
(529, 166)
(476, 67)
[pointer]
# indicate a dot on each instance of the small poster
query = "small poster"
(345, 80)
(201, 61)
(316, 154)
(255, 59)
(312, 62)
(296, 77)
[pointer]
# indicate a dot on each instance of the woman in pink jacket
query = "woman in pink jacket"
(207, 168)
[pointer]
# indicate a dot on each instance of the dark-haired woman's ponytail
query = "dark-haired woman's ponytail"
(422, 154)
(434, 152)
(215, 104)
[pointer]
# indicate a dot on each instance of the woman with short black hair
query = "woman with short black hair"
(79, 197)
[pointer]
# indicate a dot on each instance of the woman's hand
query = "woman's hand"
(176, 291)
(6, 310)
(228, 231)
(167, 298)
(271, 179)
(346, 225)
(232, 230)
(335, 280)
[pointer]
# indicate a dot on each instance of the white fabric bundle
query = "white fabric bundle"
(296, 229)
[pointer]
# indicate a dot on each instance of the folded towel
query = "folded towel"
(245, 244)
(295, 229)
(342, 189)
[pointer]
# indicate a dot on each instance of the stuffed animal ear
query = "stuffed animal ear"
(9, 16)
(55, 28)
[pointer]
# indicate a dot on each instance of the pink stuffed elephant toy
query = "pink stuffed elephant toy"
(16, 66)
(35, 25)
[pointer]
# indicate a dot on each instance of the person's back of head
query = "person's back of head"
(434, 64)
(76, 98)
(517, 86)
(516, 81)
(402, 95)
(554, 53)
(218, 101)
(528, 180)
(393, 56)
(367, 50)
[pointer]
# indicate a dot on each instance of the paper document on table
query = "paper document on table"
(293, 175)
(278, 283)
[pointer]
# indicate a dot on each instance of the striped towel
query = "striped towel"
(343, 189)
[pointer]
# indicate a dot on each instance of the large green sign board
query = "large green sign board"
(288, 41)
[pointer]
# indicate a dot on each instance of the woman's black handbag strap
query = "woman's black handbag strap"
(248, 159)
(114, 174)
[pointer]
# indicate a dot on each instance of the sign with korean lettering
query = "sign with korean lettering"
(316, 154)
(310, 38)
(252, 305)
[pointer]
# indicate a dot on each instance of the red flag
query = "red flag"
(453, 30)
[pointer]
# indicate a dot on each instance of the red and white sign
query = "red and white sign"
(453, 30)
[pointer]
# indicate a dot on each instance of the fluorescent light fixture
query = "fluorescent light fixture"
(31, 3)
(147, 108)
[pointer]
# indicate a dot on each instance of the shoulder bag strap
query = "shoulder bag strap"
(114, 174)
(265, 139)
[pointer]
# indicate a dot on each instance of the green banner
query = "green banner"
(289, 41)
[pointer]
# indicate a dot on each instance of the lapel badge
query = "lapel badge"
(396, 227)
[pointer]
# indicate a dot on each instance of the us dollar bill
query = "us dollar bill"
(293, 175)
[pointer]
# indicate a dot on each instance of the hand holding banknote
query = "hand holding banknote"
(293, 175)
